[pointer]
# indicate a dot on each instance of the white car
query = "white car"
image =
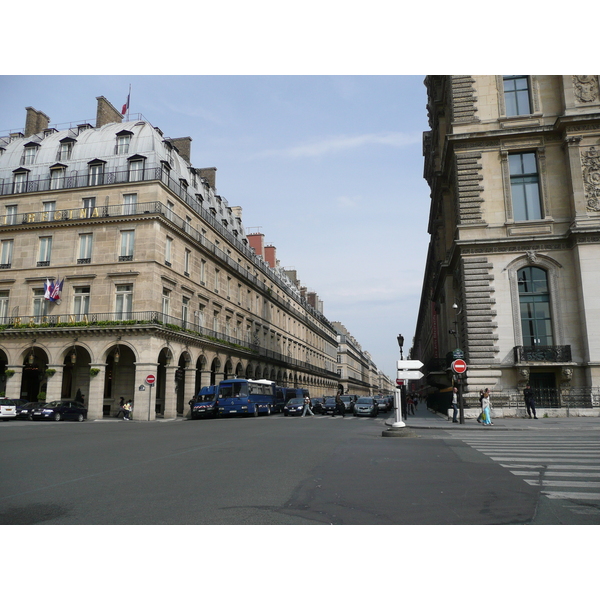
(8, 409)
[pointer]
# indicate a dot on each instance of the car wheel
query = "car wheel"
(57, 417)
(80, 418)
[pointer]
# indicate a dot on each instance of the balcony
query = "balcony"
(545, 354)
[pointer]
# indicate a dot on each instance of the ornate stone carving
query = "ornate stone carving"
(531, 257)
(586, 88)
(590, 160)
(523, 375)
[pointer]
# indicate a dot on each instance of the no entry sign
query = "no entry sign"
(150, 379)
(459, 366)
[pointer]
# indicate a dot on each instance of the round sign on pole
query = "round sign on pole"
(459, 366)
(150, 379)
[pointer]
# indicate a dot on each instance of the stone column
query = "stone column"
(13, 384)
(54, 384)
(170, 411)
(189, 377)
(572, 144)
(96, 392)
(144, 401)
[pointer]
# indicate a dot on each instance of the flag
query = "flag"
(48, 289)
(57, 290)
(126, 105)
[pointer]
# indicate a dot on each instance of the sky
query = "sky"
(329, 168)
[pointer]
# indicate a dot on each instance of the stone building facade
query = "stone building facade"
(158, 277)
(511, 281)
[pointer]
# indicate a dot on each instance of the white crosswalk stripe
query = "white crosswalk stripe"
(563, 469)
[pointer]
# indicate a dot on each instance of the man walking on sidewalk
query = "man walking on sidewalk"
(529, 397)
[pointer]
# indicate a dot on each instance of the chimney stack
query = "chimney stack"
(184, 147)
(270, 256)
(35, 122)
(210, 173)
(106, 113)
(256, 241)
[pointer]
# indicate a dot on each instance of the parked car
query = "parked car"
(205, 404)
(329, 405)
(8, 409)
(317, 405)
(349, 401)
(25, 411)
(383, 404)
(295, 406)
(59, 410)
(366, 406)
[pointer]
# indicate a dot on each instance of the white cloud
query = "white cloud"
(343, 143)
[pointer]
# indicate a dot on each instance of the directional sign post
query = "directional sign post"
(150, 380)
(407, 370)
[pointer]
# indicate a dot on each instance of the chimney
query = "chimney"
(256, 241)
(35, 122)
(270, 252)
(184, 147)
(106, 113)
(210, 173)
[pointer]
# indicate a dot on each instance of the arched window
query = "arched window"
(534, 302)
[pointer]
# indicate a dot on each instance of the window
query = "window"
(4, 308)
(166, 302)
(89, 204)
(81, 301)
(516, 95)
(170, 212)
(203, 272)
(217, 277)
(185, 307)
(11, 214)
(129, 203)
(126, 252)
(85, 249)
(29, 153)
(534, 301)
(6, 252)
(40, 305)
(20, 182)
(96, 174)
(64, 152)
(524, 186)
(136, 170)
(168, 251)
(124, 301)
(186, 263)
(123, 143)
(200, 317)
(49, 209)
(45, 252)
(57, 178)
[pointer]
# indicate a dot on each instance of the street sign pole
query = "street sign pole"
(459, 366)
(398, 407)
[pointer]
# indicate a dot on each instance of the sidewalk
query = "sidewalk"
(427, 419)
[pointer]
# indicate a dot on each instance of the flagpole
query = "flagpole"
(128, 101)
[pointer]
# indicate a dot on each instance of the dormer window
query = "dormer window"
(29, 153)
(96, 172)
(20, 177)
(123, 139)
(65, 149)
(136, 167)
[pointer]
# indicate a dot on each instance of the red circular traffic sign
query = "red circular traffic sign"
(150, 379)
(459, 366)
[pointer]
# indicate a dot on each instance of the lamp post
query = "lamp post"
(400, 339)
(458, 354)
(399, 392)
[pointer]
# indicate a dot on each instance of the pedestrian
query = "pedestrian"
(529, 397)
(121, 404)
(486, 406)
(127, 409)
(340, 407)
(307, 405)
(411, 404)
(454, 405)
(480, 417)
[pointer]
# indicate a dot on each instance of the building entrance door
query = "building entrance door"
(544, 389)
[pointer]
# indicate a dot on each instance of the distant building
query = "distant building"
(513, 163)
(158, 276)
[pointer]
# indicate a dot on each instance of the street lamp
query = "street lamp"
(400, 339)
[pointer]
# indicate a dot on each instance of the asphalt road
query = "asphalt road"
(266, 470)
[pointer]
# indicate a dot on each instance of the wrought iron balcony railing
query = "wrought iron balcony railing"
(554, 354)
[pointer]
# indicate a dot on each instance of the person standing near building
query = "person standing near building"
(486, 405)
(529, 398)
(127, 408)
(121, 404)
(454, 405)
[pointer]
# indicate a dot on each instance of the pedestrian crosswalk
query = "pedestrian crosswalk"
(563, 467)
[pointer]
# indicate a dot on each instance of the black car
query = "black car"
(383, 404)
(25, 411)
(317, 405)
(366, 406)
(295, 406)
(349, 401)
(329, 406)
(60, 410)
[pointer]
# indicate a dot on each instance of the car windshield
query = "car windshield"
(329, 400)
(295, 401)
(233, 390)
(53, 404)
(7, 402)
(365, 401)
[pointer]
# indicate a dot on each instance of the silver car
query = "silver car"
(366, 406)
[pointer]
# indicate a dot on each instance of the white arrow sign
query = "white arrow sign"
(409, 375)
(409, 364)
